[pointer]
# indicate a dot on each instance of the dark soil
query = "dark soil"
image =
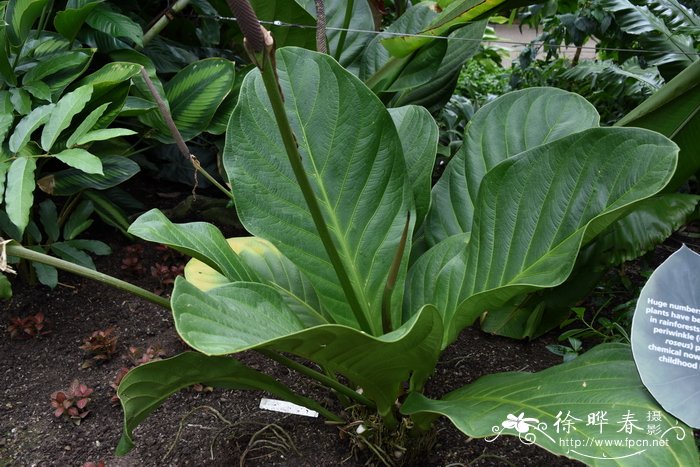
(201, 428)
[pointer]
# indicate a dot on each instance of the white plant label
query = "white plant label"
(286, 407)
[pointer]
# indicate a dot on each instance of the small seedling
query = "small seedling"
(101, 345)
(27, 328)
(133, 254)
(569, 352)
(139, 356)
(166, 274)
(71, 403)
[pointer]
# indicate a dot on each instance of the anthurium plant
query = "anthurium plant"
(335, 190)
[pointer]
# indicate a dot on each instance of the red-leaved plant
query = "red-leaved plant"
(101, 345)
(28, 327)
(71, 403)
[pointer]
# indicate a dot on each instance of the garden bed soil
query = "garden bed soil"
(223, 427)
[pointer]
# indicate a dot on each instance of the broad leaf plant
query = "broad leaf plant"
(356, 267)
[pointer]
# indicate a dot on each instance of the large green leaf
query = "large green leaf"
(674, 111)
(459, 47)
(115, 24)
(354, 160)
(375, 56)
(19, 195)
(20, 15)
(115, 170)
(227, 320)
(457, 14)
(27, 126)
(194, 94)
(7, 116)
(535, 210)
(69, 21)
(356, 38)
(60, 69)
(146, 387)
(81, 160)
(651, 222)
(63, 112)
(500, 130)
(197, 239)
(577, 409)
(273, 268)
(418, 133)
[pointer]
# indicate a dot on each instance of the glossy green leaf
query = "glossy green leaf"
(5, 163)
(7, 116)
(674, 111)
(81, 160)
(63, 112)
(27, 126)
(272, 268)
(72, 254)
(69, 21)
(354, 160)
(5, 288)
(49, 219)
(46, 275)
(375, 57)
(116, 169)
(20, 15)
(461, 45)
(196, 239)
(115, 24)
(651, 222)
(356, 39)
(194, 95)
(438, 276)
(490, 139)
(111, 74)
(38, 89)
(79, 220)
(226, 320)
(555, 409)
(60, 69)
(418, 133)
(93, 246)
(105, 134)
(21, 101)
(291, 13)
(136, 106)
(457, 14)
(19, 195)
(535, 211)
(146, 387)
(109, 212)
(86, 125)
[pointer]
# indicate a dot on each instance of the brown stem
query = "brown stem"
(321, 44)
(249, 24)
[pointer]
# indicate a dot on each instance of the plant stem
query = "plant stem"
(15, 249)
(321, 44)
(320, 377)
(179, 140)
(269, 76)
(164, 20)
(349, 6)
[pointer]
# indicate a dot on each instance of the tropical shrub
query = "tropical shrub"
(335, 189)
